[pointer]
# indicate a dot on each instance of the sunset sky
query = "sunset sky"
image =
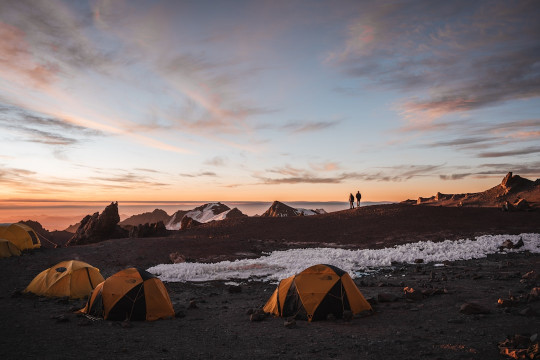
(264, 100)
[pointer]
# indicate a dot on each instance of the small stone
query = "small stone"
(61, 318)
(193, 305)
(290, 323)
(126, 324)
(508, 244)
(257, 315)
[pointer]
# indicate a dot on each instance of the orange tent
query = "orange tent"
(7, 249)
(23, 236)
(131, 294)
(72, 278)
(316, 292)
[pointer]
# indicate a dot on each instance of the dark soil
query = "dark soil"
(219, 327)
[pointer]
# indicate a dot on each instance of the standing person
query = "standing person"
(351, 201)
(358, 197)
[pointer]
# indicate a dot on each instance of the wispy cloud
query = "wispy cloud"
(463, 56)
(292, 175)
(297, 127)
(521, 151)
(325, 166)
(24, 182)
(44, 130)
(200, 174)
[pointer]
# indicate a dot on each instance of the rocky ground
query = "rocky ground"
(427, 325)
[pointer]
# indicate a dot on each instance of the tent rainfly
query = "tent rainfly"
(7, 249)
(315, 293)
(131, 294)
(73, 279)
(23, 236)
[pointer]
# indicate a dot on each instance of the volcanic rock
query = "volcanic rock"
(148, 230)
(202, 214)
(257, 315)
(290, 323)
(514, 193)
(147, 218)
(175, 219)
(188, 223)
(279, 209)
(98, 227)
(507, 244)
(521, 205)
(177, 258)
(412, 294)
(473, 308)
(235, 213)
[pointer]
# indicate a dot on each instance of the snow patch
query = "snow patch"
(281, 264)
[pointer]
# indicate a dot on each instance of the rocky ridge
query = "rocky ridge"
(98, 227)
(513, 193)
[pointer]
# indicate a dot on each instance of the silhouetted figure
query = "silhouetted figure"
(351, 201)
(358, 197)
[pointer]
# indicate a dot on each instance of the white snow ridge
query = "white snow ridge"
(281, 264)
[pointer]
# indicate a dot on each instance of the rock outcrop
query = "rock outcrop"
(188, 223)
(174, 221)
(279, 209)
(234, 214)
(147, 218)
(514, 193)
(98, 227)
(148, 230)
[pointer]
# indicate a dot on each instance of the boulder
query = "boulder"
(507, 244)
(99, 227)
(473, 308)
(521, 205)
(177, 258)
(412, 294)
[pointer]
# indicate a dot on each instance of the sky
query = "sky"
(265, 100)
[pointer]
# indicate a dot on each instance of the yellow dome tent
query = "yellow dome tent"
(23, 236)
(7, 249)
(316, 292)
(131, 294)
(75, 279)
